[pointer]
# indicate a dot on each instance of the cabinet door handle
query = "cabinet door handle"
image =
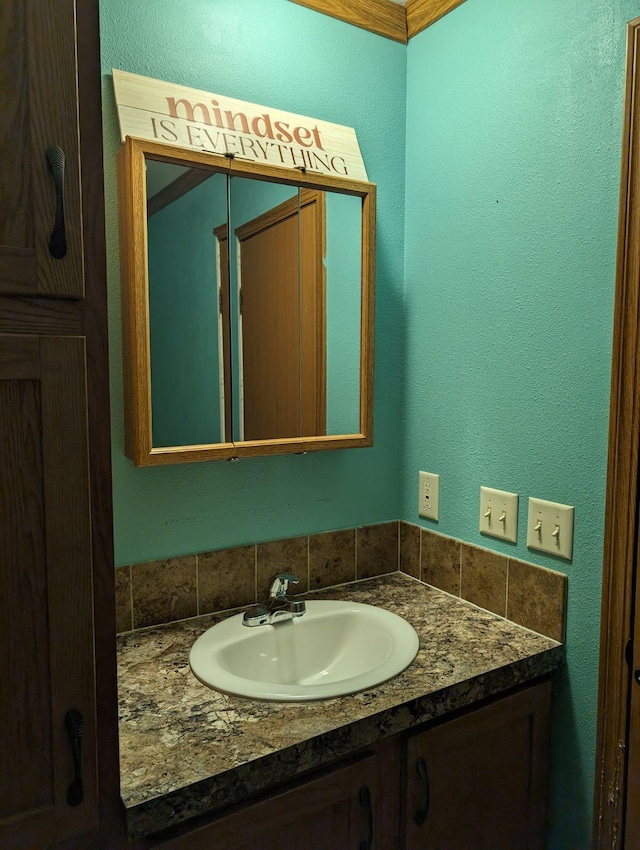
(421, 769)
(365, 801)
(73, 722)
(58, 239)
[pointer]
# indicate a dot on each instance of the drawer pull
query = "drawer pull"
(421, 769)
(58, 239)
(365, 802)
(73, 722)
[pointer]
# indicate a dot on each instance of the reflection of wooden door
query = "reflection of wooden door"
(283, 320)
(224, 303)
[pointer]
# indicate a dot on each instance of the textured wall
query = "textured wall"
(281, 55)
(493, 359)
(513, 152)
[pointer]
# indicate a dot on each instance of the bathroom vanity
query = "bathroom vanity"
(453, 747)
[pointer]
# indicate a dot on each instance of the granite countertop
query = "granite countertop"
(186, 749)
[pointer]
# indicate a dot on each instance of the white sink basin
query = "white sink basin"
(335, 648)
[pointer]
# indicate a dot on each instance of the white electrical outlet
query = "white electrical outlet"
(428, 495)
(550, 528)
(499, 513)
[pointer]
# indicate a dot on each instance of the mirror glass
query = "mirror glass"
(247, 307)
(186, 207)
(296, 280)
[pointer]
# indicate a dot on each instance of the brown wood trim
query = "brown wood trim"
(135, 302)
(179, 187)
(244, 167)
(95, 317)
(382, 17)
(621, 526)
(221, 234)
(253, 448)
(367, 310)
(40, 315)
(319, 198)
(422, 13)
(135, 307)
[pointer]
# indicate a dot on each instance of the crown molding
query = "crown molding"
(422, 13)
(382, 17)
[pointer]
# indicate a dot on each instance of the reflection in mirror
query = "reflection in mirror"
(343, 261)
(296, 272)
(190, 398)
(300, 250)
(265, 303)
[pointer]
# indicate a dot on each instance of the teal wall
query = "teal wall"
(183, 316)
(282, 55)
(514, 114)
(343, 275)
(493, 305)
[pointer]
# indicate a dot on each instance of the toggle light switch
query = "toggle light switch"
(550, 528)
(499, 513)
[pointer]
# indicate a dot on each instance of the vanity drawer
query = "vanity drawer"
(340, 810)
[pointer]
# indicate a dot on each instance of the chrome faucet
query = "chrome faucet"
(278, 606)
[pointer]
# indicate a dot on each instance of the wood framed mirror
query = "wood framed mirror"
(247, 307)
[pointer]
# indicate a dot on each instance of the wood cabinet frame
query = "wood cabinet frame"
(621, 518)
(135, 307)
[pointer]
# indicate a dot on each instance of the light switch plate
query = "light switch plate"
(499, 513)
(550, 528)
(429, 495)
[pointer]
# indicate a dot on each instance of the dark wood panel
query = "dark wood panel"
(16, 221)
(482, 780)
(47, 604)
(68, 540)
(17, 268)
(322, 814)
(38, 81)
(19, 357)
(53, 114)
(41, 316)
(25, 745)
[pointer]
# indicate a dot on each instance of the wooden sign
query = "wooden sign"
(188, 118)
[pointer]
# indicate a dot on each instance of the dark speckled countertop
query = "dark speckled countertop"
(186, 749)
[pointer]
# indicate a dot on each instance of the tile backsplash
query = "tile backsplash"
(531, 596)
(156, 592)
(162, 591)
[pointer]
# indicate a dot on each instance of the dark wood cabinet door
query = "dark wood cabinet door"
(338, 811)
(38, 110)
(478, 782)
(46, 625)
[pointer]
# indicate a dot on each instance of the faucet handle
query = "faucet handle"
(280, 584)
